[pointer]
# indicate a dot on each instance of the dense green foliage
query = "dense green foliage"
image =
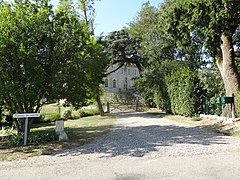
(177, 90)
(214, 88)
(184, 91)
(46, 54)
(14, 139)
(190, 35)
(124, 48)
(209, 28)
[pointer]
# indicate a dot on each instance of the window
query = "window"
(121, 70)
(106, 82)
(125, 84)
(114, 83)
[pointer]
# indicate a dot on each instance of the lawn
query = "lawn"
(80, 132)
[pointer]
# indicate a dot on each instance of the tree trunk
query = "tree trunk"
(100, 107)
(225, 60)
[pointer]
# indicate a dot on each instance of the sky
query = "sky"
(112, 15)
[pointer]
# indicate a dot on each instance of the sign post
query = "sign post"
(26, 116)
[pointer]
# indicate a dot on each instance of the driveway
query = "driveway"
(141, 146)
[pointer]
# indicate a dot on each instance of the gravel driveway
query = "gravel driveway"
(138, 142)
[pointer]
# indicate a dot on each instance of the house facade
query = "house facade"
(122, 79)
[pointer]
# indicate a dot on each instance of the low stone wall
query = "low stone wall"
(221, 119)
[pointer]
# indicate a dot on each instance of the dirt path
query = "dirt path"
(141, 146)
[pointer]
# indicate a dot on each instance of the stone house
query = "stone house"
(122, 79)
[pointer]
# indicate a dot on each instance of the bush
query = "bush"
(67, 114)
(42, 136)
(238, 104)
(35, 137)
(212, 106)
(52, 117)
(185, 92)
(88, 112)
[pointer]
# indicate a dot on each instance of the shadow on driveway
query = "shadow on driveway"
(140, 140)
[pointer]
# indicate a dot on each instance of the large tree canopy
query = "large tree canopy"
(123, 48)
(190, 34)
(46, 54)
(210, 23)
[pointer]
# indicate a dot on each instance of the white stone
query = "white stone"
(60, 131)
(228, 121)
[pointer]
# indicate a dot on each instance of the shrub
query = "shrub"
(35, 137)
(67, 114)
(42, 136)
(88, 112)
(52, 117)
(184, 91)
(238, 104)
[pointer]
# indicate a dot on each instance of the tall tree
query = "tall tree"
(147, 26)
(26, 50)
(46, 54)
(88, 13)
(124, 48)
(211, 23)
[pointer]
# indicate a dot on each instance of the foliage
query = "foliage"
(152, 85)
(123, 48)
(80, 132)
(7, 131)
(190, 34)
(87, 10)
(35, 137)
(238, 103)
(67, 114)
(184, 91)
(163, 83)
(86, 60)
(52, 117)
(88, 112)
(206, 27)
(25, 69)
(155, 44)
(1, 110)
(214, 88)
(46, 54)
(177, 90)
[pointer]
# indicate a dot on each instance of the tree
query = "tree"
(213, 85)
(46, 54)
(123, 48)
(164, 78)
(82, 54)
(88, 12)
(26, 50)
(212, 24)
(147, 26)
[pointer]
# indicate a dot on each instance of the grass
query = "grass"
(80, 132)
(184, 120)
(51, 110)
(211, 125)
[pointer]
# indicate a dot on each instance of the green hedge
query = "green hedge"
(88, 112)
(179, 90)
(184, 88)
